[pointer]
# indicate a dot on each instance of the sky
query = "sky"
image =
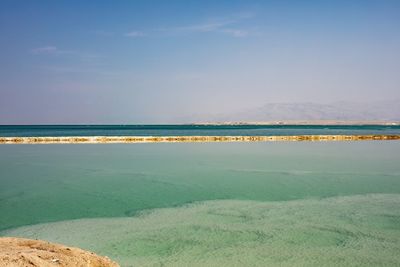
(128, 62)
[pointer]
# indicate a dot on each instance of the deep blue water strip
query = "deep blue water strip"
(205, 130)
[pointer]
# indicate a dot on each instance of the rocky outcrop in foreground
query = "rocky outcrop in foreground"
(18, 252)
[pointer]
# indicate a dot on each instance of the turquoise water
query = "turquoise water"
(199, 203)
(358, 230)
(172, 130)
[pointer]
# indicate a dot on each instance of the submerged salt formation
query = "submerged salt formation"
(184, 139)
(360, 230)
(27, 252)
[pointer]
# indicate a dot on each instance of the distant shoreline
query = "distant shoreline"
(188, 139)
(302, 122)
(234, 123)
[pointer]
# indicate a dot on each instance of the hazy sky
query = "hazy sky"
(156, 61)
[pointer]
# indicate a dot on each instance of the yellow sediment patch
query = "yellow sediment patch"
(186, 139)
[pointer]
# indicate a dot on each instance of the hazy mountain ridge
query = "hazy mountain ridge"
(308, 111)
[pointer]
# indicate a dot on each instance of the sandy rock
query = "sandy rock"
(18, 252)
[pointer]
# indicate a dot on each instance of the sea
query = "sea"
(208, 204)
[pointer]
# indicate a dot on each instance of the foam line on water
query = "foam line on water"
(186, 139)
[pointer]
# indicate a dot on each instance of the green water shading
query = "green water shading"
(361, 230)
(46, 183)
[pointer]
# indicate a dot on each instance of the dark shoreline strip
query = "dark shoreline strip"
(187, 139)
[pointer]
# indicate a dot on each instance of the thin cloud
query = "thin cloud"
(78, 69)
(49, 49)
(236, 32)
(44, 50)
(204, 27)
(134, 34)
(224, 25)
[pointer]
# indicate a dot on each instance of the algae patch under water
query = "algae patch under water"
(361, 230)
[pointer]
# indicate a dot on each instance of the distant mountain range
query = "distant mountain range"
(383, 111)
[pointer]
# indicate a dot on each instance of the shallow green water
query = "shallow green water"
(58, 183)
(41, 183)
(341, 231)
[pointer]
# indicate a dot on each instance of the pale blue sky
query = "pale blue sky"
(157, 61)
